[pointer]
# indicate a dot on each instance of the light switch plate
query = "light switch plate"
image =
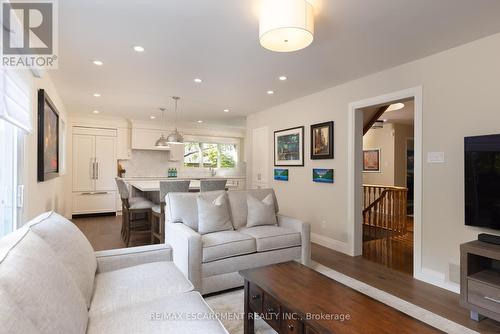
(435, 157)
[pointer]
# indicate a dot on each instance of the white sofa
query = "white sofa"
(212, 261)
(52, 282)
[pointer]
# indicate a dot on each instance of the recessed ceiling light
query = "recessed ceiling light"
(97, 95)
(96, 111)
(270, 92)
(200, 121)
(138, 48)
(197, 80)
(282, 78)
(226, 110)
(98, 62)
(152, 117)
(395, 106)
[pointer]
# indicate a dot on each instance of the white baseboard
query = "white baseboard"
(436, 278)
(327, 242)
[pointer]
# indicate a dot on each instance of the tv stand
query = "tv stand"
(480, 279)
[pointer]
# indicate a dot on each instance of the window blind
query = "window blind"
(15, 100)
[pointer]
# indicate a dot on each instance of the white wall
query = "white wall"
(48, 195)
(391, 140)
(382, 139)
(460, 98)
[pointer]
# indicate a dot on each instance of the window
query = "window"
(215, 155)
(8, 177)
(15, 122)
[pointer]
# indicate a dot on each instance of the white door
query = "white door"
(260, 157)
(105, 156)
(83, 163)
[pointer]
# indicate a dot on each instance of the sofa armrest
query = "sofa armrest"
(187, 251)
(305, 233)
(114, 259)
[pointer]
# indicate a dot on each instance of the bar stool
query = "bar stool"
(130, 207)
(158, 211)
(211, 185)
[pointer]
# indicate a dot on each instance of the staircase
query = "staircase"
(384, 213)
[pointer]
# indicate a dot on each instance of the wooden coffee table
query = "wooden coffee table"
(293, 298)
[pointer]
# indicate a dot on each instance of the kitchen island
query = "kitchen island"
(150, 187)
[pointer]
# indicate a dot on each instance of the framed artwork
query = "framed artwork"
(322, 175)
(289, 147)
(48, 138)
(371, 160)
(322, 141)
(281, 174)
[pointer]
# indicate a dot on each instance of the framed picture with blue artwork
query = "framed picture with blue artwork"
(289, 147)
(322, 175)
(281, 174)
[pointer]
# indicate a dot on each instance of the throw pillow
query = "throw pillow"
(213, 216)
(261, 212)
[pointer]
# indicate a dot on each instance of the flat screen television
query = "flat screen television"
(482, 181)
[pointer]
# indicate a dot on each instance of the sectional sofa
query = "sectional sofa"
(52, 282)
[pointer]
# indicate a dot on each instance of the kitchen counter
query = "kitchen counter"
(163, 178)
(153, 184)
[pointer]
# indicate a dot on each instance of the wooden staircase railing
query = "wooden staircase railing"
(385, 209)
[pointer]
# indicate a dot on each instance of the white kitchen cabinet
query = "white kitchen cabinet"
(145, 139)
(123, 144)
(176, 152)
(94, 170)
(260, 157)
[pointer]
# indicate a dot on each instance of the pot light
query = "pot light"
(152, 117)
(270, 92)
(138, 48)
(96, 111)
(97, 95)
(98, 62)
(286, 25)
(197, 80)
(395, 106)
(282, 78)
(199, 121)
(226, 110)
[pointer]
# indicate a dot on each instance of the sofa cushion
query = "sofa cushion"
(261, 212)
(213, 216)
(124, 287)
(238, 204)
(183, 208)
(39, 285)
(220, 245)
(273, 237)
(71, 247)
(182, 313)
(12, 318)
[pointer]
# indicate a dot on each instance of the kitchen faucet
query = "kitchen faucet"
(213, 172)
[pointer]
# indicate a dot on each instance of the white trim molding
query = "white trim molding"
(355, 144)
(327, 242)
(436, 278)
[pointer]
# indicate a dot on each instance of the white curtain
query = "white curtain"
(15, 99)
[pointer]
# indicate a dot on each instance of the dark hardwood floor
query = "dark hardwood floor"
(394, 252)
(404, 286)
(104, 233)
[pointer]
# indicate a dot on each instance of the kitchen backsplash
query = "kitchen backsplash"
(156, 164)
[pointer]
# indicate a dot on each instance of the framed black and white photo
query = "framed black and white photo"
(322, 141)
(289, 147)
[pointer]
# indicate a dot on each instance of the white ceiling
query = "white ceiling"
(218, 42)
(402, 116)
